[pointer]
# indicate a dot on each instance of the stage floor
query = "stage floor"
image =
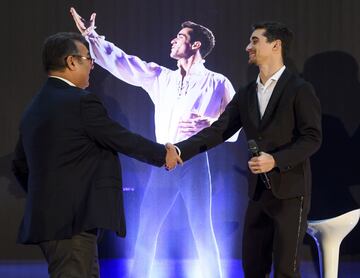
(163, 269)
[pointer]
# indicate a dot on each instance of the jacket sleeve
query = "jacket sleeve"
(308, 131)
(111, 135)
(19, 165)
(227, 125)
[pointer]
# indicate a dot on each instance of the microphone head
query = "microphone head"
(253, 148)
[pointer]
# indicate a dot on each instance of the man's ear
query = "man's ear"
(277, 45)
(196, 45)
(70, 62)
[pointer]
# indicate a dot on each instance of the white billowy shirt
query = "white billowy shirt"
(201, 91)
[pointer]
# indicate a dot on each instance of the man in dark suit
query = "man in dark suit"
(66, 160)
(282, 114)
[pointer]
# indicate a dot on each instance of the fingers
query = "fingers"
(79, 21)
(253, 166)
(193, 126)
(169, 167)
(256, 170)
(187, 124)
(75, 15)
(260, 164)
(194, 115)
(92, 20)
(187, 128)
(179, 160)
(197, 121)
(171, 164)
(172, 158)
(187, 131)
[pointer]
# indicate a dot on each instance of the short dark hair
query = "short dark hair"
(202, 34)
(276, 31)
(57, 47)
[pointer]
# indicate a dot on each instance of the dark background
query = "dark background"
(326, 51)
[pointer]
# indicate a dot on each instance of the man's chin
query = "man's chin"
(252, 62)
(173, 55)
(85, 85)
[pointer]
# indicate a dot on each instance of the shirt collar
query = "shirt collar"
(196, 68)
(274, 77)
(63, 79)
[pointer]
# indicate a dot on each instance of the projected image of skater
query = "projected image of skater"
(186, 100)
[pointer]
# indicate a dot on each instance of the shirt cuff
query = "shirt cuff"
(176, 148)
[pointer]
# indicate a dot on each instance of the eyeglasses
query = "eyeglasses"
(85, 58)
(81, 57)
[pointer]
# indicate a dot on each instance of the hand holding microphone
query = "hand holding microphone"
(260, 163)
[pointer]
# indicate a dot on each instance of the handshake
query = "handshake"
(172, 157)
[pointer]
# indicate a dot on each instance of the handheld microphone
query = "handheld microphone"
(254, 149)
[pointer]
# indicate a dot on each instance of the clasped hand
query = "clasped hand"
(172, 157)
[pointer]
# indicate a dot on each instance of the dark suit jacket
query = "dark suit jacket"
(66, 159)
(290, 130)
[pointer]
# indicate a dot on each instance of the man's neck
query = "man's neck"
(185, 64)
(268, 70)
(62, 75)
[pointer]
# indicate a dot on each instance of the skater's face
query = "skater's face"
(181, 46)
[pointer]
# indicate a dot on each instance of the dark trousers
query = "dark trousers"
(72, 258)
(273, 232)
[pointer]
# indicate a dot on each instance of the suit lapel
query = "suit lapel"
(275, 97)
(253, 104)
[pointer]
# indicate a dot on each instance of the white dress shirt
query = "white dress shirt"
(264, 92)
(201, 91)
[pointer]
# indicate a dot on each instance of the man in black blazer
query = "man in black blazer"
(66, 160)
(282, 114)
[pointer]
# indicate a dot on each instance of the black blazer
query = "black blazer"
(290, 130)
(66, 160)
